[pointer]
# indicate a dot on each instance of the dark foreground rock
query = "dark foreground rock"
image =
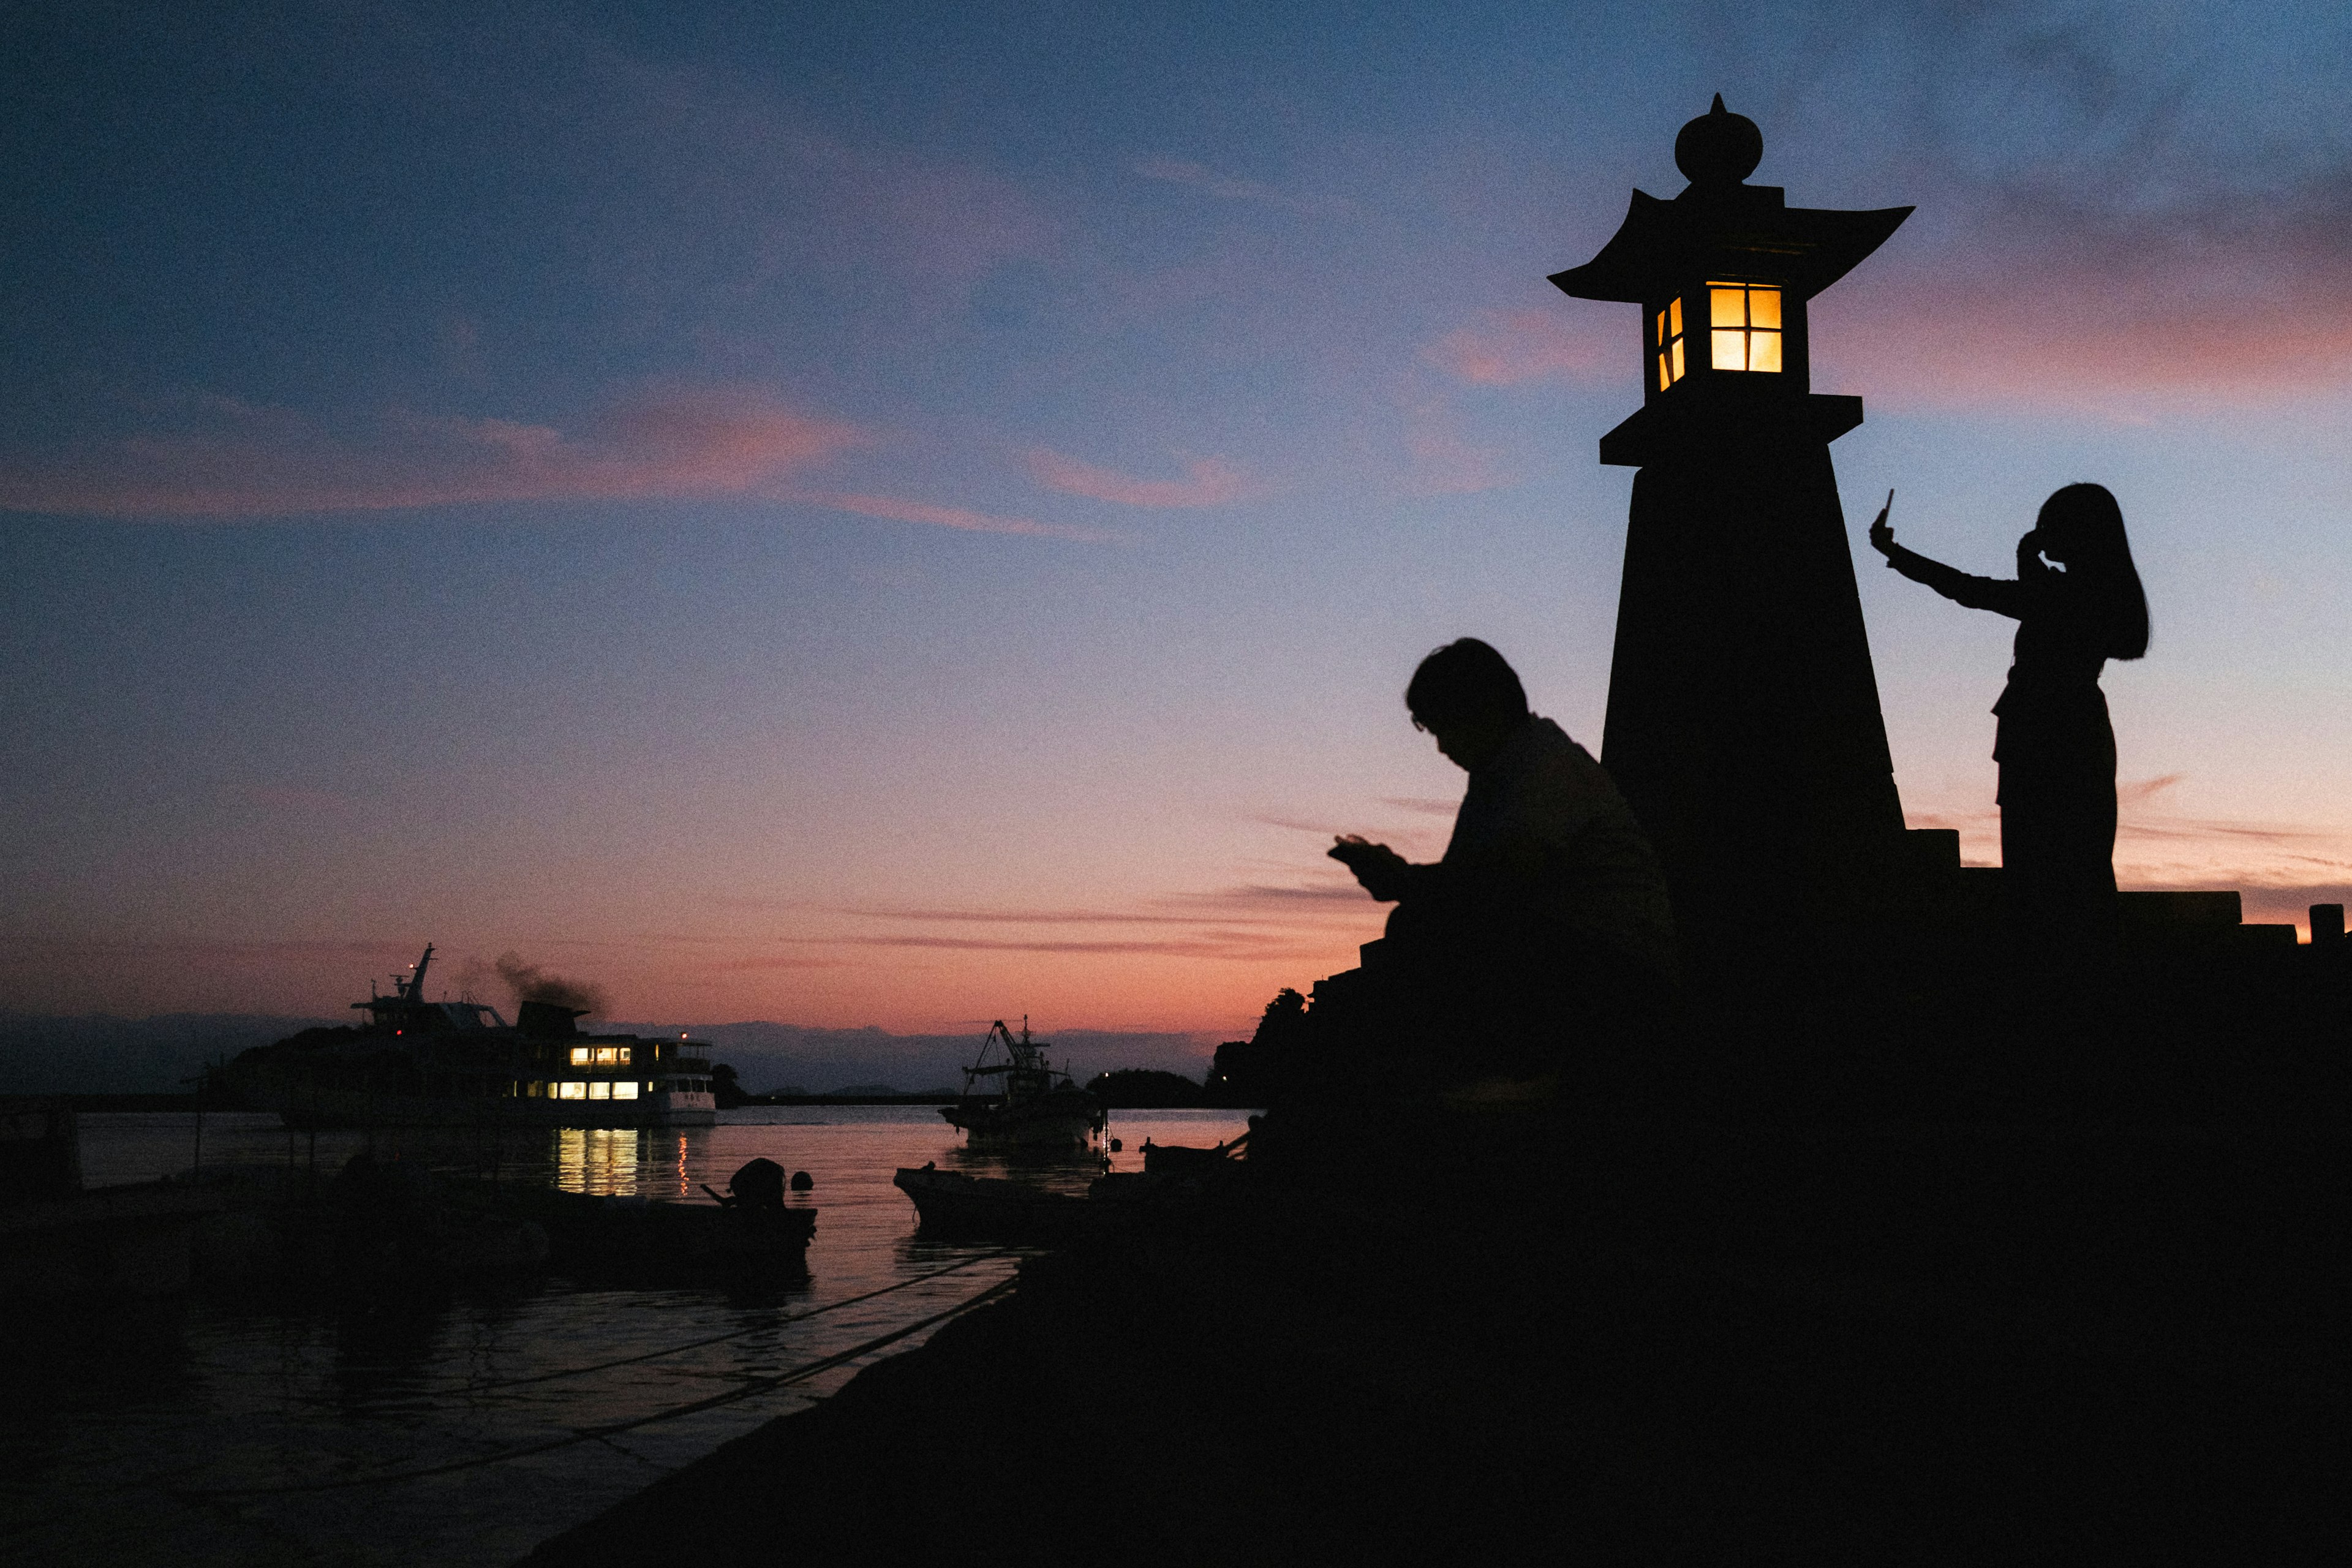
(1636, 1345)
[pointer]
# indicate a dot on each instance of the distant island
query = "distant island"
(1129, 1089)
(165, 1054)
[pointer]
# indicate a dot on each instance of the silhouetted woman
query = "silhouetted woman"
(2054, 745)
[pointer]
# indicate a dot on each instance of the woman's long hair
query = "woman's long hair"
(2099, 551)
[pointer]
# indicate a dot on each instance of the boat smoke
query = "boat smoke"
(531, 983)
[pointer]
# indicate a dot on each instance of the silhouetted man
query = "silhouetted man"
(1549, 910)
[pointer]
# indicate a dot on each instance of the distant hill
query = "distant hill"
(1144, 1088)
(769, 1057)
(101, 1054)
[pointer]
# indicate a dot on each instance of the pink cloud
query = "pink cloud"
(2072, 344)
(1444, 462)
(1210, 944)
(945, 516)
(1423, 805)
(1184, 171)
(1252, 923)
(1207, 481)
(1510, 348)
(940, 225)
(266, 462)
(2234, 299)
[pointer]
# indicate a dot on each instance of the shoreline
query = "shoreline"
(1640, 1345)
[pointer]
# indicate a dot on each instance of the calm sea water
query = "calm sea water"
(125, 1431)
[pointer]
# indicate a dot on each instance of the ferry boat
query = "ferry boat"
(420, 1063)
(1035, 1105)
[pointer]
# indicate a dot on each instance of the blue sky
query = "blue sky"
(858, 516)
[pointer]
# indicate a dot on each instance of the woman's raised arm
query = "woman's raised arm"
(1999, 595)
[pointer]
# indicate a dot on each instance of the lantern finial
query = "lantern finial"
(1718, 148)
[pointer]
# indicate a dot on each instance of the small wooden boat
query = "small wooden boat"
(749, 1229)
(952, 1207)
(1184, 1160)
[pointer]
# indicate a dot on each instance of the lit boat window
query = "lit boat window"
(624, 1090)
(580, 1056)
(574, 1090)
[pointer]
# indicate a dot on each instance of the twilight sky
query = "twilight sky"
(903, 515)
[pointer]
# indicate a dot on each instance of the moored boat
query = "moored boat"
(1034, 1106)
(952, 1207)
(420, 1063)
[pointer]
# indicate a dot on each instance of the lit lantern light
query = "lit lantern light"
(1744, 326)
(1669, 342)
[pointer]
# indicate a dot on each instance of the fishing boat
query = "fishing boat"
(420, 1063)
(1014, 1098)
(953, 1208)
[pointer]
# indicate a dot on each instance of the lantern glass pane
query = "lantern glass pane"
(1764, 351)
(1730, 351)
(1678, 360)
(1674, 314)
(1729, 307)
(1661, 337)
(1664, 381)
(1764, 308)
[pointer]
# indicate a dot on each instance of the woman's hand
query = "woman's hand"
(1882, 537)
(2029, 556)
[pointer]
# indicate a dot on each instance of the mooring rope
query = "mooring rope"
(470, 1387)
(610, 1429)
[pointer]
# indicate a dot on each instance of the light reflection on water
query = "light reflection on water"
(133, 1407)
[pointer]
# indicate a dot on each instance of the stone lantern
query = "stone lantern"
(1743, 723)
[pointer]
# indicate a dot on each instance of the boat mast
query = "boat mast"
(414, 989)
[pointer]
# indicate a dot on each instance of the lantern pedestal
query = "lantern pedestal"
(1744, 724)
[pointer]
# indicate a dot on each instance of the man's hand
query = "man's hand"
(1379, 868)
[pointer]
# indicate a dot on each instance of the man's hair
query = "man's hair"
(1464, 679)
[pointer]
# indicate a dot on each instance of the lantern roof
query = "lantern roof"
(1723, 228)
